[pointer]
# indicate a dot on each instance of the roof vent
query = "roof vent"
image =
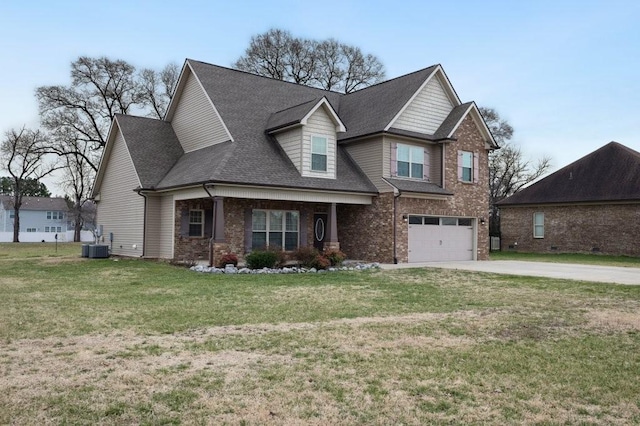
(570, 175)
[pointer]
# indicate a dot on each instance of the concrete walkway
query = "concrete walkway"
(604, 274)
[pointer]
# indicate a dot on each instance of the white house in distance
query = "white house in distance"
(41, 218)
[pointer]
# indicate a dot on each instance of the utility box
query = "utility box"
(98, 251)
(85, 250)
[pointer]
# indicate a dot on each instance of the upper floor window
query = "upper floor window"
(538, 225)
(468, 166)
(410, 161)
(318, 154)
(275, 228)
(196, 223)
(54, 215)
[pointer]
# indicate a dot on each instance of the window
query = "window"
(31, 230)
(275, 228)
(410, 161)
(58, 229)
(466, 164)
(318, 154)
(538, 225)
(196, 222)
(46, 229)
(54, 215)
(12, 214)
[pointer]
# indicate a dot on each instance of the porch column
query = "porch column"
(331, 242)
(218, 220)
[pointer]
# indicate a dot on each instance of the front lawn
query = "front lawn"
(134, 342)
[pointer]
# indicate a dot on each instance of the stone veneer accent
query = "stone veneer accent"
(609, 229)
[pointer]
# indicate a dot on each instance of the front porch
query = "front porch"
(208, 228)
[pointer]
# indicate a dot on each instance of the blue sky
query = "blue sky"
(565, 74)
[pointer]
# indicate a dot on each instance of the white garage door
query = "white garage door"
(439, 239)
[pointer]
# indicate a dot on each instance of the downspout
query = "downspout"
(396, 194)
(213, 223)
(138, 190)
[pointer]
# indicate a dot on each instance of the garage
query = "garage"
(440, 239)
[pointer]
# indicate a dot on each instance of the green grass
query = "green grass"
(580, 258)
(135, 342)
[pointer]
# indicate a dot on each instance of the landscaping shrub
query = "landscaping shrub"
(336, 257)
(321, 262)
(228, 258)
(269, 258)
(306, 256)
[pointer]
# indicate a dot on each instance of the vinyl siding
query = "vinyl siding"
(121, 209)
(319, 124)
(167, 227)
(427, 111)
(195, 121)
(159, 227)
(291, 143)
(368, 155)
(435, 153)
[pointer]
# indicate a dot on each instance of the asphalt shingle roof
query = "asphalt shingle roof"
(36, 203)
(153, 145)
(611, 173)
(418, 186)
(249, 105)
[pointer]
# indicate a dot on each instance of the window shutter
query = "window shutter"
(248, 230)
(208, 223)
(303, 229)
(426, 167)
(184, 223)
(394, 162)
(476, 167)
(460, 165)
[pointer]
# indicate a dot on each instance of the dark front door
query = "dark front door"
(319, 230)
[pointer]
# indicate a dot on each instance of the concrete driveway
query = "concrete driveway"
(604, 274)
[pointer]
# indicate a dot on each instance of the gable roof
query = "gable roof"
(144, 136)
(36, 203)
(611, 173)
(250, 108)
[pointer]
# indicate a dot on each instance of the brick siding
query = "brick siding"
(608, 229)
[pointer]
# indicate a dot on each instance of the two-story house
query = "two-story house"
(397, 171)
(41, 218)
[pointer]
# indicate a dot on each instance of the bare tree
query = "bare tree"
(21, 154)
(76, 181)
(509, 170)
(156, 88)
(327, 64)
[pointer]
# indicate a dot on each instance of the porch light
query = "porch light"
(405, 218)
(482, 220)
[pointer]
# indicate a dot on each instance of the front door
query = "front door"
(319, 230)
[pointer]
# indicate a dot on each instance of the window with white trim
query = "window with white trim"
(46, 229)
(275, 228)
(318, 154)
(196, 223)
(31, 230)
(538, 225)
(54, 215)
(410, 161)
(466, 164)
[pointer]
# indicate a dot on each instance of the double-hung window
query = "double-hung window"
(196, 223)
(318, 154)
(54, 215)
(410, 161)
(538, 225)
(275, 228)
(466, 164)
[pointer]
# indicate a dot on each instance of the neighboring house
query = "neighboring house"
(394, 172)
(591, 205)
(41, 218)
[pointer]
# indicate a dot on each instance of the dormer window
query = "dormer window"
(318, 154)
(410, 161)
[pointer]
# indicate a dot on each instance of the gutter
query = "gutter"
(139, 190)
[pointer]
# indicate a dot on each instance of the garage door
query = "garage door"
(439, 239)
